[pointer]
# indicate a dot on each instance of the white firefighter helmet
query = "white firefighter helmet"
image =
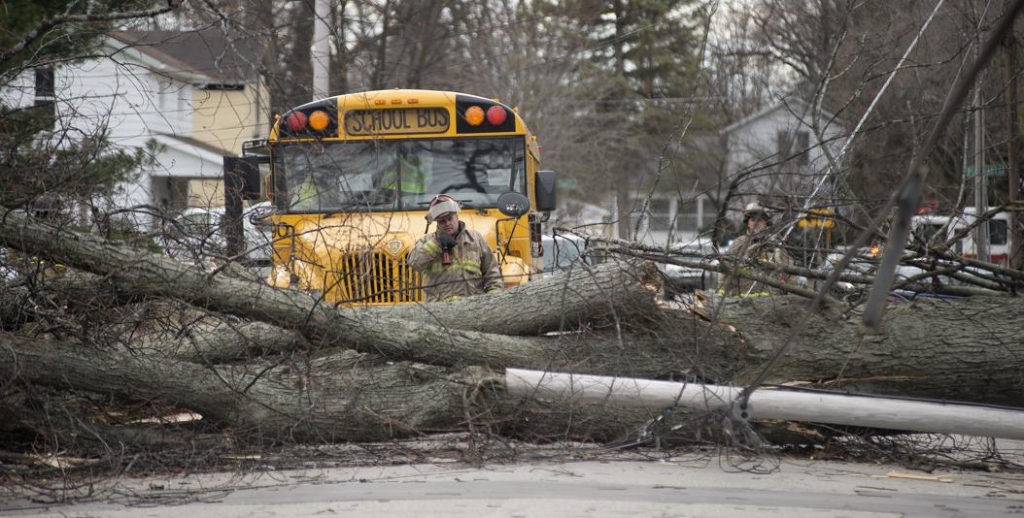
(755, 209)
(441, 204)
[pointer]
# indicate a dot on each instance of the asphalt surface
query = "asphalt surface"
(566, 489)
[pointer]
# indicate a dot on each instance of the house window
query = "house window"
(161, 94)
(44, 83)
(660, 214)
(998, 230)
(44, 87)
(793, 146)
(695, 215)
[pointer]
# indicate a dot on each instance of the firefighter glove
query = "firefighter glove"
(447, 241)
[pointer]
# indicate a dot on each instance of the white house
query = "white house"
(777, 153)
(674, 202)
(196, 95)
(773, 153)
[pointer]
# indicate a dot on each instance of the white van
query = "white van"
(926, 226)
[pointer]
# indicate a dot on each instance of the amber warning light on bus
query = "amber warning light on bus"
(473, 115)
(317, 121)
(477, 115)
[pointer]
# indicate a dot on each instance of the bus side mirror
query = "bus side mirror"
(513, 204)
(545, 191)
(242, 176)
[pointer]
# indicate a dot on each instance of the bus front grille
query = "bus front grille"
(373, 278)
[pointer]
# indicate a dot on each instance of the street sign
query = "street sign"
(990, 170)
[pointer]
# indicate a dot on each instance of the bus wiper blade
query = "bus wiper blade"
(466, 204)
(369, 200)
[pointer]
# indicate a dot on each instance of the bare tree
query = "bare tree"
(102, 335)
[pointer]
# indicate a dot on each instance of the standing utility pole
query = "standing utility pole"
(980, 184)
(320, 54)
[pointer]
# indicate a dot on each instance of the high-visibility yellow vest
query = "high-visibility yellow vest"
(308, 190)
(414, 180)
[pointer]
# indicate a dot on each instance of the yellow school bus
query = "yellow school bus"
(350, 178)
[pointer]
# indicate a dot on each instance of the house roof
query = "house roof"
(790, 105)
(202, 146)
(208, 56)
(205, 161)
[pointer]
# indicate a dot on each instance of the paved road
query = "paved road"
(617, 488)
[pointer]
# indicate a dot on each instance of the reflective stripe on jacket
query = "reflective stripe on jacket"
(473, 269)
(413, 180)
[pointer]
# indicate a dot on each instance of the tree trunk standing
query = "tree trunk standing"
(1012, 166)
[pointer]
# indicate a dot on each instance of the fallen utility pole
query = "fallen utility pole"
(817, 407)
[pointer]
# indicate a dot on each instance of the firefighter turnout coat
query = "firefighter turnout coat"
(756, 254)
(473, 269)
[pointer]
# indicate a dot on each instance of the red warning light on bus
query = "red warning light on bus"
(296, 121)
(496, 115)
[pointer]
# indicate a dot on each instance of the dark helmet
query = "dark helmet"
(755, 209)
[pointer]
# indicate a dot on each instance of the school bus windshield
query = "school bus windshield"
(389, 175)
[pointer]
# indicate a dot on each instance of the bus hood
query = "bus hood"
(323, 240)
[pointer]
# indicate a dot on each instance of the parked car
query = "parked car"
(198, 233)
(679, 279)
(564, 252)
(867, 260)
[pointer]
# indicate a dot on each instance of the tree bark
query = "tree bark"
(415, 376)
(968, 349)
(134, 272)
(342, 397)
(594, 296)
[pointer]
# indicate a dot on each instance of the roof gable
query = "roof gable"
(208, 56)
(790, 105)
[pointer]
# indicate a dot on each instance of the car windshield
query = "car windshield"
(386, 175)
(563, 253)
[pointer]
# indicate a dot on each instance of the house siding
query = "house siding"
(20, 92)
(753, 145)
(135, 98)
(123, 99)
(226, 119)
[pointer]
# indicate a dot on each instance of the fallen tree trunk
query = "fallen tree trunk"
(591, 295)
(133, 272)
(966, 349)
(732, 348)
(343, 396)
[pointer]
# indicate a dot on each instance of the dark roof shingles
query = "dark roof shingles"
(210, 52)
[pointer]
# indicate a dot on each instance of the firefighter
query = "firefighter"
(317, 191)
(305, 193)
(755, 250)
(408, 169)
(454, 261)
